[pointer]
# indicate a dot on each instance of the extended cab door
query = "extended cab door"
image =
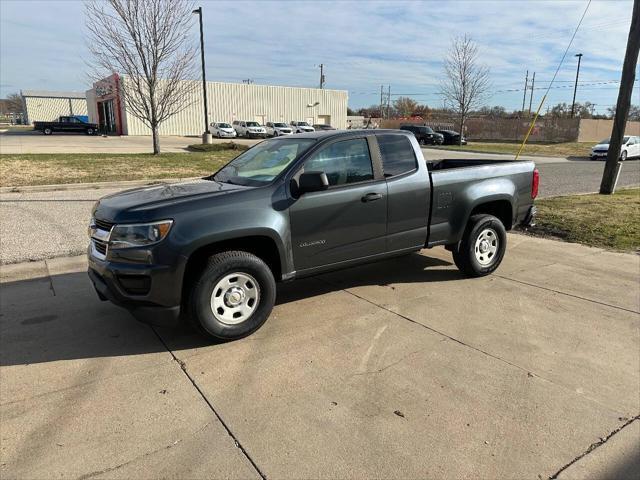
(409, 191)
(348, 221)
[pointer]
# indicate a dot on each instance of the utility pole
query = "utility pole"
(381, 99)
(613, 166)
(389, 102)
(321, 75)
(575, 88)
(524, 95)
(206, 136)
(533, 83)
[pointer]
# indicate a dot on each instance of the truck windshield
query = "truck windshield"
(261, 164)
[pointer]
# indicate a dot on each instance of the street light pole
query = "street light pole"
(206, 136)
(575, 88)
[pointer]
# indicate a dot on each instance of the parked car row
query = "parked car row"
(249, 129)
(427, 136)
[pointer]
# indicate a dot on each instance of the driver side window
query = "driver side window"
(343, 162)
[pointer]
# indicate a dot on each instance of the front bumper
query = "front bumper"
(157, 303)
(227, 134)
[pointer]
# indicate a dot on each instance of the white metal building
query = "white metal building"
(226, 102)
(45, 106)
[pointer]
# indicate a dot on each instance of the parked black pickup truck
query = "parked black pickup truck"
(292, 207)
(66, 124)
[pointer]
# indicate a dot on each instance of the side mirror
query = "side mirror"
(313, 182)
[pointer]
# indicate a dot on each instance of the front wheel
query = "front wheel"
(623, 156)
(233, 297)
(90, 131)
(482, 247)
(47, 131)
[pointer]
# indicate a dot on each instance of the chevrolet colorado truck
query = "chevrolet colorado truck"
(212, 250)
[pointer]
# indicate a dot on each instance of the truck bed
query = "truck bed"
(459, 185)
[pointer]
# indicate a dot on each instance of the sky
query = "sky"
(363, 45)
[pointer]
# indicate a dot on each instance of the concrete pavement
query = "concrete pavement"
(397, 369)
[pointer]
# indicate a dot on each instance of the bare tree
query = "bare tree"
(146, 42)
(466, 82)
(14, 103)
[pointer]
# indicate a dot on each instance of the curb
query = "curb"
(96, 185)
(16, 272)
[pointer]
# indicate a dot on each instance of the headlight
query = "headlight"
(139, 235)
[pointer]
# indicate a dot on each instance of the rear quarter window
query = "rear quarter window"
(397, 153)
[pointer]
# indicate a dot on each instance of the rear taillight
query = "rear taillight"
(535, 182)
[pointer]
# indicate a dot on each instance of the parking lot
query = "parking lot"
(378, 371)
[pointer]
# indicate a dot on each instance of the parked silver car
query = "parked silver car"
(222, 130)
(249, 129)
(276, 129)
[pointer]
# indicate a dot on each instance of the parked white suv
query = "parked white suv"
(630, 148)
(275, 129)
(249, 129)
(222, 130)
(301, 127)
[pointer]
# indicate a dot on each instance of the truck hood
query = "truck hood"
(153, 197)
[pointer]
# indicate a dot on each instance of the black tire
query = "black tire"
(623, 156)
(465, 256)
(199, 307)
(422, 141)
(90, 131)
(47, 131)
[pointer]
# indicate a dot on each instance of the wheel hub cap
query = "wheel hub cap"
(486, 246)
(234, 298)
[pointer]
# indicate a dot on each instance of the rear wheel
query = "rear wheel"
(47, 131)
(233, 297)
(90, 131)
(482, 247)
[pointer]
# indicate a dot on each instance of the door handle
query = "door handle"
(370, 197)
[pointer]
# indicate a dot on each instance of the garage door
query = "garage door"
(324, 119)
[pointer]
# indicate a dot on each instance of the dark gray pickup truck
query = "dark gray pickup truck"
(212, 250)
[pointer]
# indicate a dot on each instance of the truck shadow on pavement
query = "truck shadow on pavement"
(60, 317)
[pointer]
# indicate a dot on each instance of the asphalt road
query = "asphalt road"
(379, 371)
(37, 225)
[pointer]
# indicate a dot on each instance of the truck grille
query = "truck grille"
(103, 225)
(100, 247)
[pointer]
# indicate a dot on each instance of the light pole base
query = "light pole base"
(207, 138)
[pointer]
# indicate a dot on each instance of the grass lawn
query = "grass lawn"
(607, 221)
(44, 169)
(568, 149)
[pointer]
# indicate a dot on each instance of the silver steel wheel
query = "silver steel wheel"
(486, 246)
(235, 298)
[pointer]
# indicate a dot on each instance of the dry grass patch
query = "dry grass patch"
(608, 221)
(45, 169)
(567, 149)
